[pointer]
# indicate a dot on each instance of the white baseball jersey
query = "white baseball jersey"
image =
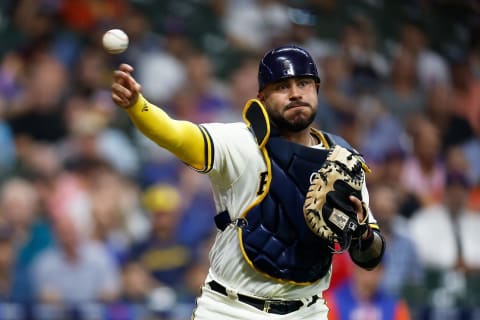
(237, 165)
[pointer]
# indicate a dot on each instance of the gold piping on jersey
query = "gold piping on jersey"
(265, 116)
(209, 150)
(321, 137)
(374, 226)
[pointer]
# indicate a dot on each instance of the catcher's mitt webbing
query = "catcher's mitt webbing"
(328, 211)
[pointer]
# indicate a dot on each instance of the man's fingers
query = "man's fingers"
(117, 99)
(126, 80)
(123, 96)
(125, 89)
(126, 68)
(357, 203)
(121, 90)
(122, 77)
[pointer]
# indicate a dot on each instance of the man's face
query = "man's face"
(291, 103)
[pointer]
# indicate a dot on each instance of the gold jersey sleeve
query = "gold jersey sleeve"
(184, 139)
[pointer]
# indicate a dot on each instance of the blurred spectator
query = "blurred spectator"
(108, 212)
(303, 32)
(69, 194)
(92, 73)
(359, 48)
(336, 96)
(76, 270)
(84, 15)
(450, 226)
(388, 172)
(203, 98)
(11, 77)
(166, 61)
(21, 214)
(453, 129)
(431, 67)
(8, 276)
(165, 253)
(423, 172)
(141, 35)
(90, 135)
(445, 236)
(456, 160)
(36, 20)
(255, 25)
(382, 133)
(13, 298)
(401, 265)
(11, 71)
(39, 160)
(38, 114)
(474, 50)
(401, 94)
(466, 91)
(471, 151)
(197, 204)
(142, 297)
(362, 298)
(240, 85)
(137, 283)
(196, 273)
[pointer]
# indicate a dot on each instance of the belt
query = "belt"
(269, 306)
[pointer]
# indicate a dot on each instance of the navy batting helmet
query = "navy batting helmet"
(285, 62)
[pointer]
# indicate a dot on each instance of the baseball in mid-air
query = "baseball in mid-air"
(115, 41)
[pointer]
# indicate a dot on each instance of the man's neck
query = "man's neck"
(303, 137)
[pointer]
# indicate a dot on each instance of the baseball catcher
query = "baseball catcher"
(276, 220)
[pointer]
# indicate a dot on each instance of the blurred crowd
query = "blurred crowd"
(98, 222)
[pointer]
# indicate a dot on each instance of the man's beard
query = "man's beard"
(296, 125)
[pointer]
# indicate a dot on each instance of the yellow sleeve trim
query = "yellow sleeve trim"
(208, 150)
(183, 138)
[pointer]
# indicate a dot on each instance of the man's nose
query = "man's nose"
(295, 92)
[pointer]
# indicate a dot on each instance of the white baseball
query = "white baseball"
(115, 41)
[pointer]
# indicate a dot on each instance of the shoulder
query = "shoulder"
(229, 134)
(233, 127)
(233, 146)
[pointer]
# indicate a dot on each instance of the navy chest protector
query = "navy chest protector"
(275, 239)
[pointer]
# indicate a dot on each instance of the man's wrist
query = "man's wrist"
(139, 104)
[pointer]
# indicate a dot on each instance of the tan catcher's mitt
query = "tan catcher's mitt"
(327, 209)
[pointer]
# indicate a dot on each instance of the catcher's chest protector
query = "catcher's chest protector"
(276, 239)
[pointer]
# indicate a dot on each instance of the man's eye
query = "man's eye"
(303, 83)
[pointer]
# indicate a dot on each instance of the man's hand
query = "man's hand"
(125, 90)
(333, 209)
(361, 213)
